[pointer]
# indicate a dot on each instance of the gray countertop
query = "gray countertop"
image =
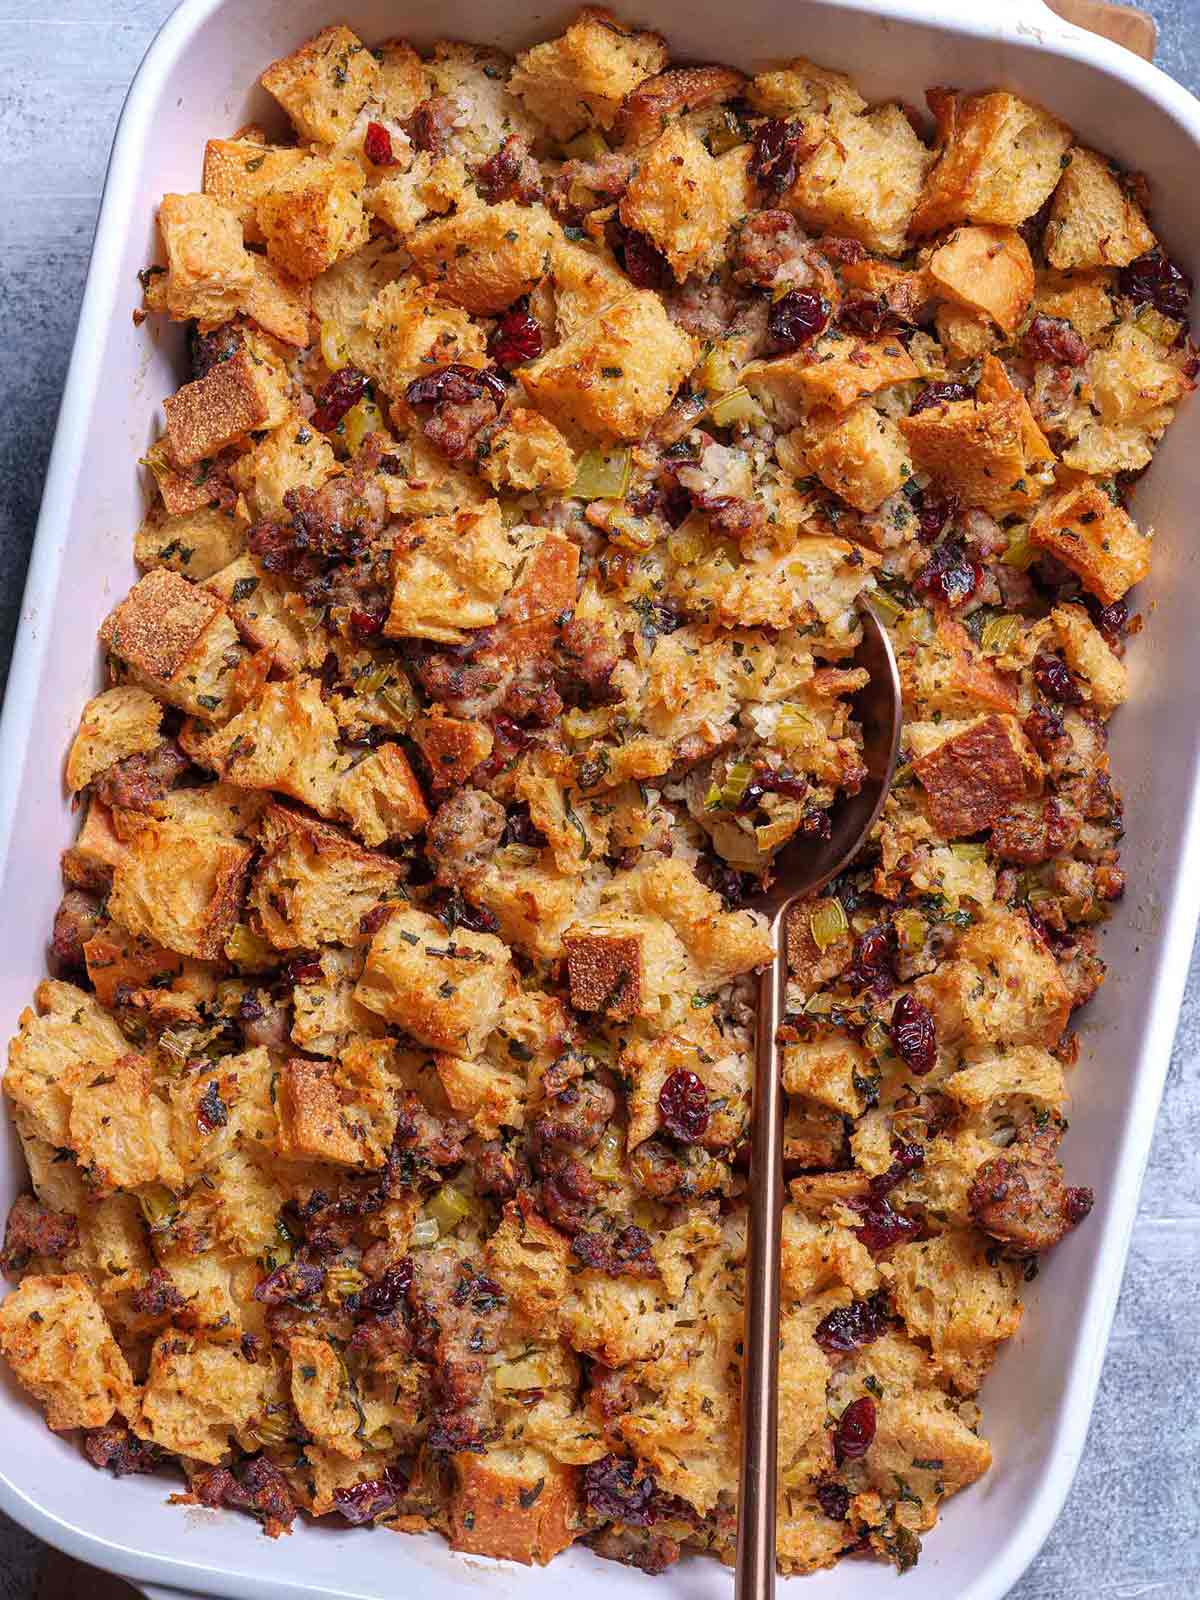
(1131, 1527)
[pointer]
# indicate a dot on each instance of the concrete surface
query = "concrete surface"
(1131, 1528)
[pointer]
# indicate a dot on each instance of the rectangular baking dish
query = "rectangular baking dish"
(195, 82)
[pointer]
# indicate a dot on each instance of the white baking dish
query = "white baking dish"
(194, 83)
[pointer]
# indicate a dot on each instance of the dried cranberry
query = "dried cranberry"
(776, 153)
(518, 338)
(834, 1500)
(1077, 1203)
(936, 394)
(683, 1106)
(933, 514)
(948, 576)
(293, 1282)
(855, 1432)
(211, 1111)
(303, 969)
(645, 264)
(796, 319)
(874, 955)
(913, 1034)
(455, 385)
(772, 780)
(610, 1490)
(363, 1502)
(882, 1225)
(1153, 279)
(865, 316)
(1112, 620)
(366, 624)
(849, 1327)
(906, 1158)
(1054, 339)
(377, 144)
(387, 1291)
(1055, 680)
(341, 391)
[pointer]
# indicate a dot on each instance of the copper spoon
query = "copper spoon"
(801, 868)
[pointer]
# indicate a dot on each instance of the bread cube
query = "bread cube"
(198, 1394)
(313, 884)
(951, 676)
(325, 83)
(965, 335)
(859, 454)
(403, 78)
(68, 1029)
(863, 179)
(515, 1503)
(986, 269)
(312, 214)
(237, 171)
(177, 885)
(835, 373)
(605, 973)
(268, 616)
(209, 269)
(476, 79)
(1000, 158)
(1084, 299)
(319, 1122)
(1094, 221)
(972, 777)
(326, 1015)
(949, 1292)
(452, 746)
(532, 903)
(278, 303)
(111, 1127)
(431, 186)
(546, 582)
(529, 1260)
(116, 723)
(1003, 987)
(831, 1069)
(55, 1337)
(89, 862)
(177, 640)
(321, 1397)
(679, 198)
(381, 797)
(978, 450)
(286, 739)
(449, 575)
(581, 77)
(617, 374)
(408, 329)
(1088, 655)
(485, 257)
(996, 1082)
(584, 283)
(119, 960)
(1130, 378)
(526, 453)
(446, 990)
(236, 396)
(195, 543)
(803, 89)
(1096, 538)
(293, 455)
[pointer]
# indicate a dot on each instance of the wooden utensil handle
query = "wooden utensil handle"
(1124, 25)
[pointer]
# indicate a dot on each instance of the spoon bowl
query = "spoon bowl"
(802, 868)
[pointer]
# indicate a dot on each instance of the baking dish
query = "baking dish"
(192, 84)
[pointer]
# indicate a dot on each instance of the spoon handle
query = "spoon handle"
(755, 1574)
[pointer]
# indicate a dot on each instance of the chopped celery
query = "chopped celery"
(827, 923)
(1000, 634)
(1163, 330)
(795, 726)
(448, 1207)
(1021, 552)
(333, 346)
(739, 405)
(361, 419)
(602, 475)
(970, 852)
(589, 145)
(159, 1207)
(425, 1232)
(736, 781)
(889, 609)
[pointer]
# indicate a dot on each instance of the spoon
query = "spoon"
(802, 868)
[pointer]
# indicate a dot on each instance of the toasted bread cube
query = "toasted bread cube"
(312, 214)
(605, 973)
(952, 1291)
(1130, 378)
(236, 396)
(408, 329)
(1003, 986)
(829, 1069)
(617, 374)
(986, 269)
(89, 862)
(55, 1337)
(452, 746)
(208, 267)
(582, 77)
(198, 1394)
(1094, 221)
(316, 1122)
(529, 1260)
(679, 198)
(485, 257)
(526, 452)
(313, 884)
(294, 455)
(327, 1016)
(195, 543)
(181, 490)
(446, 990)
(972, 777)
(403, 78)
(950, 675)
(325, 84)
(835, 373)
(278, 303)
(1084, 299)
(449, 575)
(475, 78)
(286, 740)
(180, 886)
(802, 89)
(236, 171)
(863, 179)
(546, 582)
(176, 639)
(515, 1503)
(117, 959)
(584, 283)
(111, 1127)
(1001, 157)
(997, 1080)
(1098, 540)
(978, 451)
(659, 102)
(116, 723)
(860, 454)
(320, 1394)
(268, 616)
(432, 186)
(1087, 654)
(382, 798)
(68, 1029)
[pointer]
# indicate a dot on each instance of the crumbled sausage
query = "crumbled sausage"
(1020, 1198)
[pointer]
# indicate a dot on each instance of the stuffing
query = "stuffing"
(1095, 537)
(999, 159)
(485, 257)
(835, 374)
(209, 269)
(983, 450)
(177, 884)
(516, 1503)
(1094, 220)
(582, 77)
(286, 739)
(526, 452)
(972, 773)
(680, 200)
(312, 214)
(449, 574)
(117, 723)
(176, 640)
(381, 798)
(863, 179)
(198, 1394)
(54, 1335)
(323, 85)
(194, 543)
(407, 329)
(313, 884)
(1003, 986)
